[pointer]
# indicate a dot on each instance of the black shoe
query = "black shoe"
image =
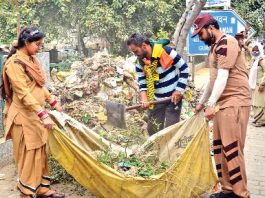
(223, 195)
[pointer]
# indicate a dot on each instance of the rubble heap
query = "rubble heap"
(84, 90)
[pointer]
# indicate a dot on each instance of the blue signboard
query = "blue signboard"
(230, 23)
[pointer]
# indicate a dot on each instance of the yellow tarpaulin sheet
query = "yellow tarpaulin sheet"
(186, 145)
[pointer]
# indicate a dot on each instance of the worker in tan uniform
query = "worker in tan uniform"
(26, 121)
(257, 85)
(229, 90)
(246, 49)
(246, 44)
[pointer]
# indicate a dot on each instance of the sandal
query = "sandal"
(54, 194)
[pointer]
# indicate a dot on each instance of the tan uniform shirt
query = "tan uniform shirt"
(261, 72)
(226, 54)
(248, 57)
(259, 97)
(28, 99)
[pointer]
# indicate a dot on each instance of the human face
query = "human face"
(255, 51)
(245, 34)
(241, 42)
(206, 36)
(34, 47)
(140, 52)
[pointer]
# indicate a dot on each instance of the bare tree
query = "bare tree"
(264, 33)
(182, 21)
(185, 23)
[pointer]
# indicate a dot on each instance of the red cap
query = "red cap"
(201, 21)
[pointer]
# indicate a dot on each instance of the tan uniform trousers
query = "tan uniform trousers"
(32, 166)
(230, 126)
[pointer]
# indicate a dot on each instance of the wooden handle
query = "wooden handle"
(161, 101)
(133, 107)
(151, 103)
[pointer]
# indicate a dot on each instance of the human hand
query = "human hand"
(176, 96)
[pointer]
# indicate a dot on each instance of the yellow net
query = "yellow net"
(186, 145)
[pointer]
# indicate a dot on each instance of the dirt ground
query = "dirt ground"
(8, 177)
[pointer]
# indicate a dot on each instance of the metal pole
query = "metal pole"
(193, 67)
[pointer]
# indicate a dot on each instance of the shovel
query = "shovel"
(116, 112)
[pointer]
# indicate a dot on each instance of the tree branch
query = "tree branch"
(181, 22)
(188, 23)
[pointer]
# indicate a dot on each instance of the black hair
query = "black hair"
(28, 34)
(212, 22)
(137, 39)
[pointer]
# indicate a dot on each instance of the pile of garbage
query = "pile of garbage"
(84, 90)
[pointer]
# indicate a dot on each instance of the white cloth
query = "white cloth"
(254, 69)
(206, 94)
(219, 86)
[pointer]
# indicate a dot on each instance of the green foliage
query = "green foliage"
(112, 20)
(161, 34)
(65, 64)
(105, 157)
(116, 20)
(145, 166)
(9, 12)
(85, 117)
(251, 11)
(59, 175)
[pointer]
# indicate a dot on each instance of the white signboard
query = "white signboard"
(215, 3)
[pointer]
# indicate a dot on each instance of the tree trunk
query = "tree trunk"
(188, 23)
(79, 47)
(181, 22)
(124, 48)
(264, 24)
(80, 42)
(83, 46)
(264, 34)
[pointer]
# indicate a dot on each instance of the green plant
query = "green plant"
(161, 34)
(122, 156)
(105, 157)
(59, 175)
(85, 117)
(145, 166)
